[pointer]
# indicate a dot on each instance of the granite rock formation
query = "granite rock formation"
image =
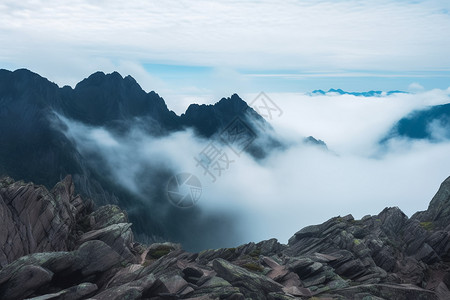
(55, 246)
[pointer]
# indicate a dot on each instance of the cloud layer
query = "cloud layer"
(298, 186)
(69, 41)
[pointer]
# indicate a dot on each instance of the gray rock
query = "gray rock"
(427, 254)
(24, 282)
(96, 257)
(117, 236)
(119, 293)
(438, 212)
(80, 291)
(105, 216)
(55, 262)
(36, 220)
(215, 287)
(250, 284)
(386, 256)
(134, 289)
(386, 291)
(168, 284)
(125, 275)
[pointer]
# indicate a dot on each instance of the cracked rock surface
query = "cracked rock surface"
(54, 247)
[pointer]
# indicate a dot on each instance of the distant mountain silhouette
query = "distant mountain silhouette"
(432, 123)
(359, 94)
(103, 99)
(207, 119)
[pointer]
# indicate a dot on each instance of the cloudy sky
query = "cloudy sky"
(201, 51)
(184, 49)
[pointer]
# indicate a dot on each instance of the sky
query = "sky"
(200, 51)
(196, 50)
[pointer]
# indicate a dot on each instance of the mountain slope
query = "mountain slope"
(432, 123)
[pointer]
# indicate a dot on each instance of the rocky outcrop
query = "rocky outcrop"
(34, 219)
(437, 215)
(385, 256)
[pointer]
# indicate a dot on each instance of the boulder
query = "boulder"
(387, 291)
(24, 282)
(105, 216)
(118, 236)
(252, 285)
(36, 220)
(95, 257)
(216, 287)
(78, 292)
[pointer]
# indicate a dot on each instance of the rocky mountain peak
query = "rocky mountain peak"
(438, 212)
(23, 87)
(392, 220)
(100, 78)
(35, 220)
(209, 119)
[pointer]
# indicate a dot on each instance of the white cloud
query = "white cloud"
(347, 123)
(302, 185)
(65, 41)
(414, 87)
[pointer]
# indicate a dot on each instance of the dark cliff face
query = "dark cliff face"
(74, 252)
(102, 99)
(209, 119)
(29, 147)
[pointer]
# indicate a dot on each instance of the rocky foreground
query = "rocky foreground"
(54, 246)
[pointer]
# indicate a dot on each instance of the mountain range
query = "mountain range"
(28, 103)
(35, 145)
(66, 230)
(358, 94)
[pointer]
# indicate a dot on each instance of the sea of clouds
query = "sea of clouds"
(295, 186)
